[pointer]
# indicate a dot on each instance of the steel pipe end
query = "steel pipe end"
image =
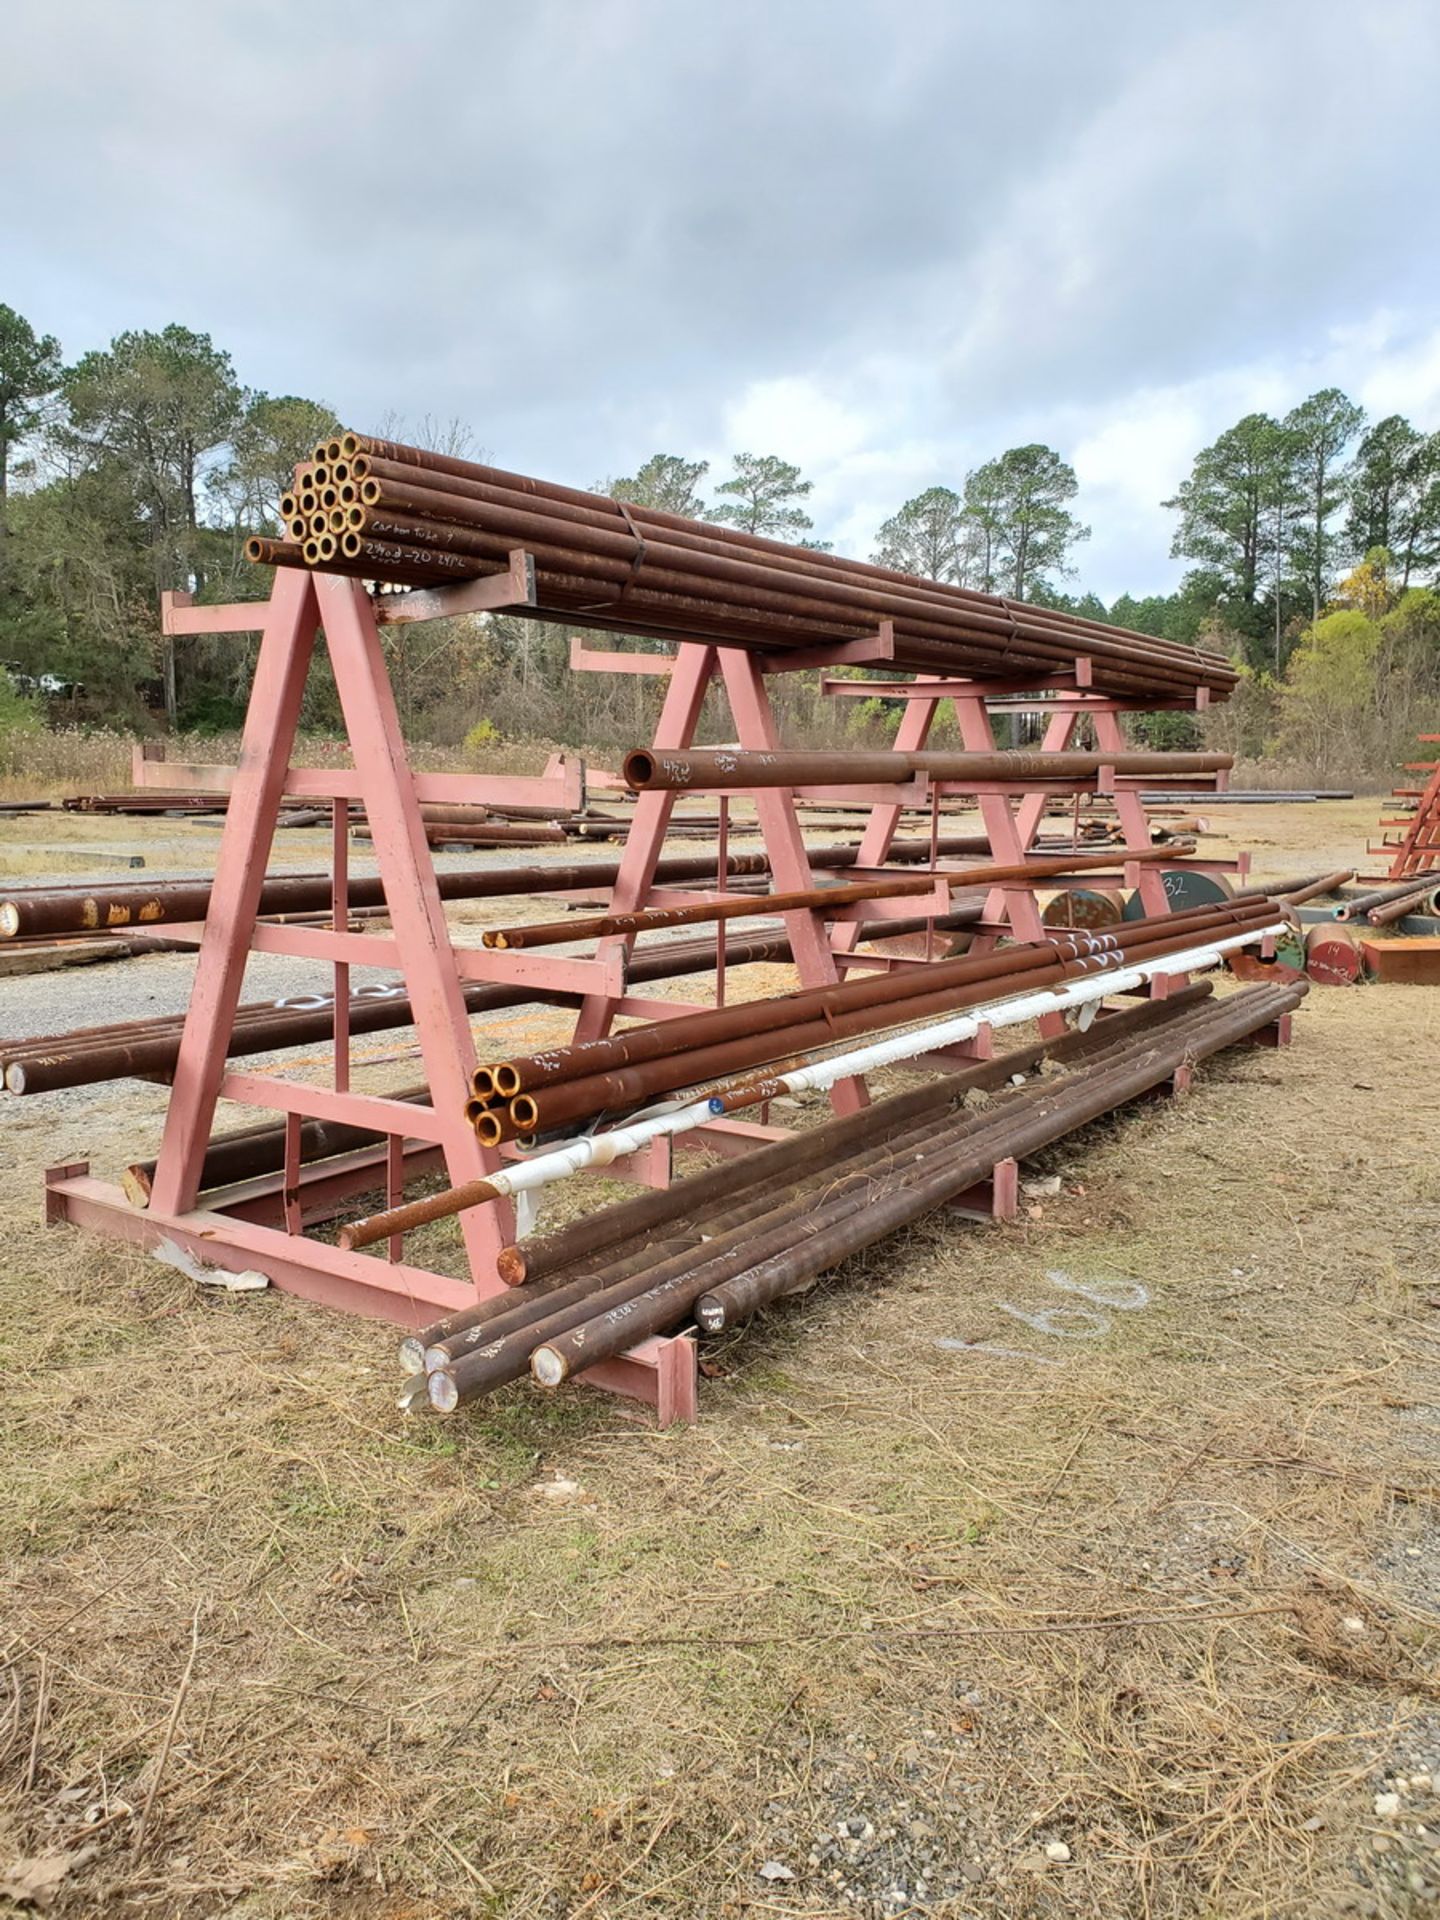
(339, 469)
(350, 444)
(370, 492)
(711, 1316)
(333, 449)
(9, 920)
(355, 519)
(505, 1080)
(511, 1265)
(287, 506)
(524, 1113)
(639, 769)
(15, 1077)
(434, 1359)
(482, 1084)
(298, 527)
(359, 466)
(548, 1367)
(489, 1130)
(412, 1355)
(321, 452)
(311, 551)
(442, 1392)
(350, 543)
(321, 476)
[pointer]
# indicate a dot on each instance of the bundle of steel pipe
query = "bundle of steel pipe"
(80, 908)
(567, 1084)
(384, 511)
(1363, 906)
(807, 1205)
(649, 770)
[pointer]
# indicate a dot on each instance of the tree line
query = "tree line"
(147, 464)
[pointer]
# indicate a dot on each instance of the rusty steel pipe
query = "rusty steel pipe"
(544, 1254)
(251, 1151)
(1425, 899)
(1102, 641)
(629, 1087)
(1022, 1123)
(531, 1073)
(1358, 906)
(652, 770)
(74, 909)
(602, 926)
(743, 906)
(273, 553)
(60, 1060)
(682, 572)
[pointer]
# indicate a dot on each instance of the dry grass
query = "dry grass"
(73, 760)
(1155, 1601)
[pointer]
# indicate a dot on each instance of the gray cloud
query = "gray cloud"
(590, 227)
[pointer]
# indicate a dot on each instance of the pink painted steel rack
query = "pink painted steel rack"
(263, 1223)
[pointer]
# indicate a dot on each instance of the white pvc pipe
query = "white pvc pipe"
(602, 1149)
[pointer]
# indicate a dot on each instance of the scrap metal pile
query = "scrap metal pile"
(716, 1247)
(387, 512)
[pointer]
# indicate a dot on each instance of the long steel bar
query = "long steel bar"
(75, 909)
(718, 769)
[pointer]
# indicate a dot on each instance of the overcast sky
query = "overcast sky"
(883, 240)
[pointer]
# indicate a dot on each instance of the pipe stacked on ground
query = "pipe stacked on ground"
(384, 511)
(727, 1241)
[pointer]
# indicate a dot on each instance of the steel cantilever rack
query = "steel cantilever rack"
(267, 1223)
